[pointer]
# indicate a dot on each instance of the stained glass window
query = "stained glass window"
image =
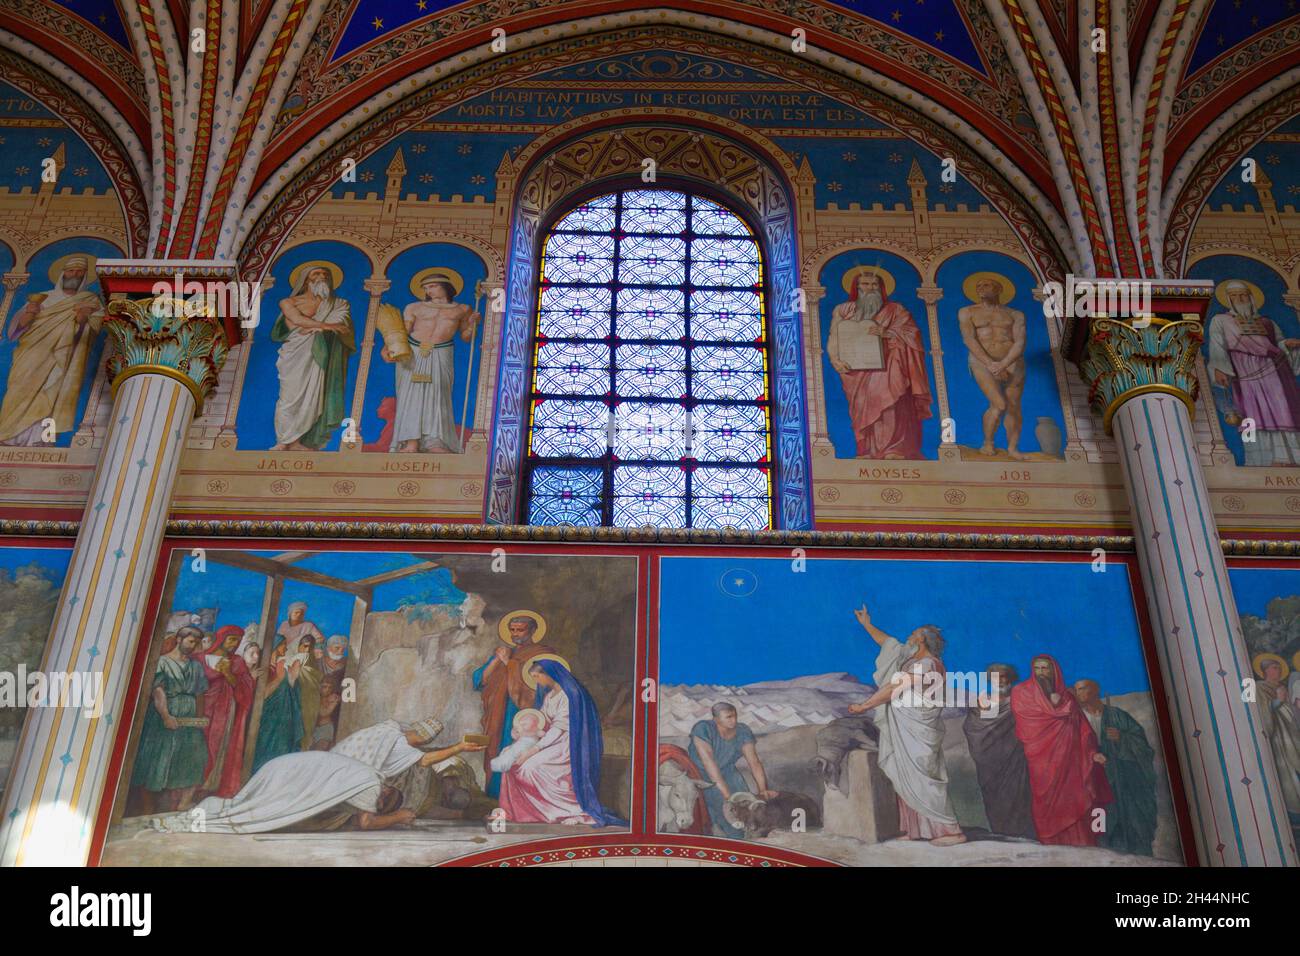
(649, 396)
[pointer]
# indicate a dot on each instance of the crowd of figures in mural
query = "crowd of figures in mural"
(991, 737)
(392, 699)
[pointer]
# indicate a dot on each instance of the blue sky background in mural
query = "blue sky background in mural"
(776, 624)
(28, 134)
(1253, 588)
(1229, 22)
(381, 382)
(256, 423)
(906, 281)
(237, 594)
(1220, 269)
(1041, 397)
(52, 562)
(40, 281)
(1278, 156)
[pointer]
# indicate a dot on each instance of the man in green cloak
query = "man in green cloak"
(316, 335)
(1130, 771)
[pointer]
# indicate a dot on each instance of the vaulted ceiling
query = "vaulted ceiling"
(1107, 145)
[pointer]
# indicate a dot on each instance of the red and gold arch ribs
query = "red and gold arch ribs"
(1149, 129)
(159, 59)
(1102, 264)
(247, 124)
(1126, 251)
(189, 212)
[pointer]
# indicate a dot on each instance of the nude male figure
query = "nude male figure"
(995, 336)
(432, 322)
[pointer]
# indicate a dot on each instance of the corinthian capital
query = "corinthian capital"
(166, 336)
(1121, 360)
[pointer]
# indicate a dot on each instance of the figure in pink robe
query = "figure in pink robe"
(227, 704)
(557, 779)
(886, 404)
(1252, 358)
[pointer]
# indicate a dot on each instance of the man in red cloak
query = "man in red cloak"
(227, 704)
(1066, 777)
(890, 398)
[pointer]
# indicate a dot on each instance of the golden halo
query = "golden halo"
(1296, 660)
(1007, 286)
(503, 626)
(1257, 664)
(1221, 292)
(851, 277)
(530, 710)
(57, 267)
(529, 679)
(336, 273)
(447, 275)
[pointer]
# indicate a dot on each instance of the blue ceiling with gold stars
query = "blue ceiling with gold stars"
(934, 23)
(103, 15)
(1230, 22)
(1278, 155)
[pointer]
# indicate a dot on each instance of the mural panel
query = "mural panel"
(30, 581)
(897, 725)
(1268, 600)
(378, 707)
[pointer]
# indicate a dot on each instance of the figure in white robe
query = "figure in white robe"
(424, 409)
(316, 336)
(911, 731)
(296, 787)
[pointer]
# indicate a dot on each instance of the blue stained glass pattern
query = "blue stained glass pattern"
(726, 316)
(568, 368)
(649, 430)
(729, 498)
(569, 312)
(651, 313)
(729, 433)
(650, 496)
(595, 215)
(566, 496)
(713, 220)
(650, 389)
(650, 370)
(569, 429)
(721, 372)
(652, 260)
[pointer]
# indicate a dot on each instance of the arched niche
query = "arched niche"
(689, 153)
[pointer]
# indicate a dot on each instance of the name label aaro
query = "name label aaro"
(75, 908)
(1282, 481)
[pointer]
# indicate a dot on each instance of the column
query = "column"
(161, 366)
(818, 429)
(931, 295)
(1142, 381)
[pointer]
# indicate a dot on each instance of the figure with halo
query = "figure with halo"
(1254, 366)
(995, 338)
(55, 331)
(422, 349)
(316, 335)
(500, 681)
(875, 345)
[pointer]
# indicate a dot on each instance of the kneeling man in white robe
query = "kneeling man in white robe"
(322, 790)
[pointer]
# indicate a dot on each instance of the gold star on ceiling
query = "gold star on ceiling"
(377, 23)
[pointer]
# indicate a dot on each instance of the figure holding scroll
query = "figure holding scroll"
(876, 347)
(424, 419)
